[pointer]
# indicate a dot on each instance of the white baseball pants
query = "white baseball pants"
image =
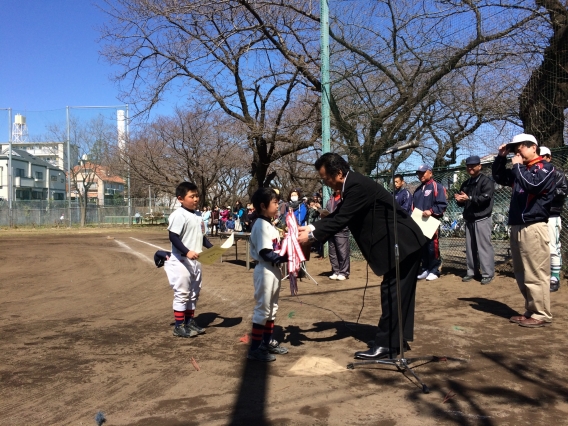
(184, 276)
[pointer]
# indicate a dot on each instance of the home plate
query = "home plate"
(315, 366)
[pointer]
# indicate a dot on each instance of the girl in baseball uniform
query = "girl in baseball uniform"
(264, 247)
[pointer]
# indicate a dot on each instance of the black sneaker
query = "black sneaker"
(554, 285)
(486, 280)
(467, 278)
(181, 331)
(261, 354)
(274, 347)
(192, 325)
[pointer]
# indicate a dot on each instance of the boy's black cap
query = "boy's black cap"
(160, 257)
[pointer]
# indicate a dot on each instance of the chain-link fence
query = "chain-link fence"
(56, 213)
(452, 229)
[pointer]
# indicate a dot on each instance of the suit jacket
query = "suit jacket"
(367, 210)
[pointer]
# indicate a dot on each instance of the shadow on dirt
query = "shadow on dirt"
(490, 306)
(363, 332)
(206, 318)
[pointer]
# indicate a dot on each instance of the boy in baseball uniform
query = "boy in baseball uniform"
(182, 267)
(264, 247)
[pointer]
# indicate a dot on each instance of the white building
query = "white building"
(32, 177)
(54, 153)
(101, 183)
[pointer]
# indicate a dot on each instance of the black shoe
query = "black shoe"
(182, 331)
(377, 352)
(261, 354)
(192, 325)
(371, 344)
(467, 278)
(554, 285)
(274, 347)
(486, 280)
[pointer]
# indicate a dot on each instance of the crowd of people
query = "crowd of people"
(361, 207)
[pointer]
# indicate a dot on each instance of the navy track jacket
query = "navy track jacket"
(431, 196)
(533, 189)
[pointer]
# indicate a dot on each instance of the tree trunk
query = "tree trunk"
(545, 95)
(84, 208)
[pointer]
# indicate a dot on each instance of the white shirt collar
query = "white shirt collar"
(343, 189)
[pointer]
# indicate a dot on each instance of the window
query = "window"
(58, 196)
(36, 195)
(20, 173)
(39, 175)
(53, 178)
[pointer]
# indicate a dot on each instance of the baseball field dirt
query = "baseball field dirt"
(85, 326)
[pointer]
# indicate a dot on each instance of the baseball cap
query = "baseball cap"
(423, 168)
(474, 159)
(523, 137)
(545, 151)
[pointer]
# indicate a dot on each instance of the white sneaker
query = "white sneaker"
(423, 275)
(432, 277)
(333, 277)
(341, 278)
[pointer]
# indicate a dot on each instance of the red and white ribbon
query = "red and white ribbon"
(291, 247)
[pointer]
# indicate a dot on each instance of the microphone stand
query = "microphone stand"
(401, 363)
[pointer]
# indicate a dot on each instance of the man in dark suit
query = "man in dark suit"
(366, 208)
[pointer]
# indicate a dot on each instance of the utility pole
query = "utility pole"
(10, 173)
(325, 92)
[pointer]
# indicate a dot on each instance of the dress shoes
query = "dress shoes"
(533, 323)
(377, 352)
(517, 318)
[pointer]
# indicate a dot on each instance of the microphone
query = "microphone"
(411, 144)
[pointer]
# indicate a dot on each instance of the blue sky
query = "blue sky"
(50, 59)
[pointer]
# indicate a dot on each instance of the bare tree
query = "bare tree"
(94, 142)
(213, 50)
(545, 96)
(203, 147)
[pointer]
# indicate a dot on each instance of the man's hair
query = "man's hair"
(263, 196)
(333, 164)
(399, 176)
(184, 187)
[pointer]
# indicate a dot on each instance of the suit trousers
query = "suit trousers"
(387, 334)
(479, 251)
(339, 254)
(531, 265)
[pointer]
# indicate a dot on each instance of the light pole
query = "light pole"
(325, 86)
(10, 174)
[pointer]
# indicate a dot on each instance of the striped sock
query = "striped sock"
(268, 330)
(257, 330)
(179, 316)
(189, 314)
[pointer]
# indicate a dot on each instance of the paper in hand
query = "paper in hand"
(428, 225)
(208, 257)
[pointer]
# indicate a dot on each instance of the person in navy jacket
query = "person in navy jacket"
(402, 195)
(533, 189)
(430, 197)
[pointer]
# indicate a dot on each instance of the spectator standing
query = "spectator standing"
(402, 195)
(206, 216)
(430, 197)
(476, 197)
(554, 221)
(532, 180)
(214, 221)
(339, 251)
(299, 208)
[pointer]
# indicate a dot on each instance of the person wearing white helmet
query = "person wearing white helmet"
(554, 221)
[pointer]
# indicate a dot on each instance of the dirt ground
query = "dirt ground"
(85, 325)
